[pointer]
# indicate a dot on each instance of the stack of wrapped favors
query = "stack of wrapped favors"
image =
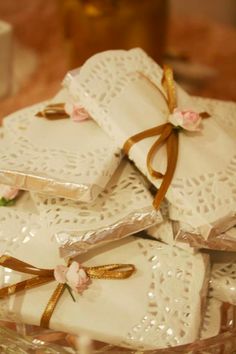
(118, 208)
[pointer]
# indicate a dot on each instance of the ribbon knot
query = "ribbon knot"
(43, 276)
(168, 135)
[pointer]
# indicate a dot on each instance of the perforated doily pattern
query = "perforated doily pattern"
(223, 281)
(24, 156)
(174, 302)
(173, 296)
(16, 226)
(125, 193)
(81, 175)
(212, 319)
(199, 199)
(214, 195)
(124, 206)
(16, 123)
(221, 182)
(165, 231)
(115, 72)
(223, 111)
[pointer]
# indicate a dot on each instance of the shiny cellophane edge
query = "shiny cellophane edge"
(73, 245)
(35, 339)
(36, 183)
(220, 242)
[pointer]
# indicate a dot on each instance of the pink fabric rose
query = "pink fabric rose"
(60, 273)
(8, 192)
(74, 276)
(76, 112)
(185, 119)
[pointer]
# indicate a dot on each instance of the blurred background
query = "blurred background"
(41, 40)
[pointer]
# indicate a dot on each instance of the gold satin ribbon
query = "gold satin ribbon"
(168, 134)
(53, 111)
(43, 276)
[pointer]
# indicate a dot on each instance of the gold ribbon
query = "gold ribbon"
(53, 111)
(43, 276)
(168, 134)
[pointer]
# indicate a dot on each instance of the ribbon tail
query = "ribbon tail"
(23, 285)
(172, 155)
(155, 147)
(23, 267)
(143, 135)
(169, 86)
(52, 303)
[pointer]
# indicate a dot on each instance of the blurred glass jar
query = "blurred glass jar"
(91, 26)
(6, 58)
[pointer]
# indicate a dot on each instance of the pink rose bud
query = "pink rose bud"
(185, 119)
(60, 273)
(8, 192)
(74, 276)
(76, 112)
(77, 278)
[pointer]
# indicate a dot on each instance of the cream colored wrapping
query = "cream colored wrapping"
(62, 157)
(211, 325)
(159, 306)
(220, 238)
(123, 102)
(222, 235)
(123, 208)
(165, 231)
(223, 277)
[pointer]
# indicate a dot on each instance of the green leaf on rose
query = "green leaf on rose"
(6, 202)
(70, 292)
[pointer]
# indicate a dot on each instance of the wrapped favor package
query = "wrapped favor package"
(160, 305)
(223, 238)
(58, 157)
(122, 91)
(123, 208)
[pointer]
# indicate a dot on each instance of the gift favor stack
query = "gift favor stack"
(119, 208)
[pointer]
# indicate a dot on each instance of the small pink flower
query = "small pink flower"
(8, 192)
(60, 273)
(185, 119)
(77, 278)
(74, 276)
(76, 112)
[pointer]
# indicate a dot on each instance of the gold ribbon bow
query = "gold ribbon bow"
(53, 111)
(168, 134)
(43, 276)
